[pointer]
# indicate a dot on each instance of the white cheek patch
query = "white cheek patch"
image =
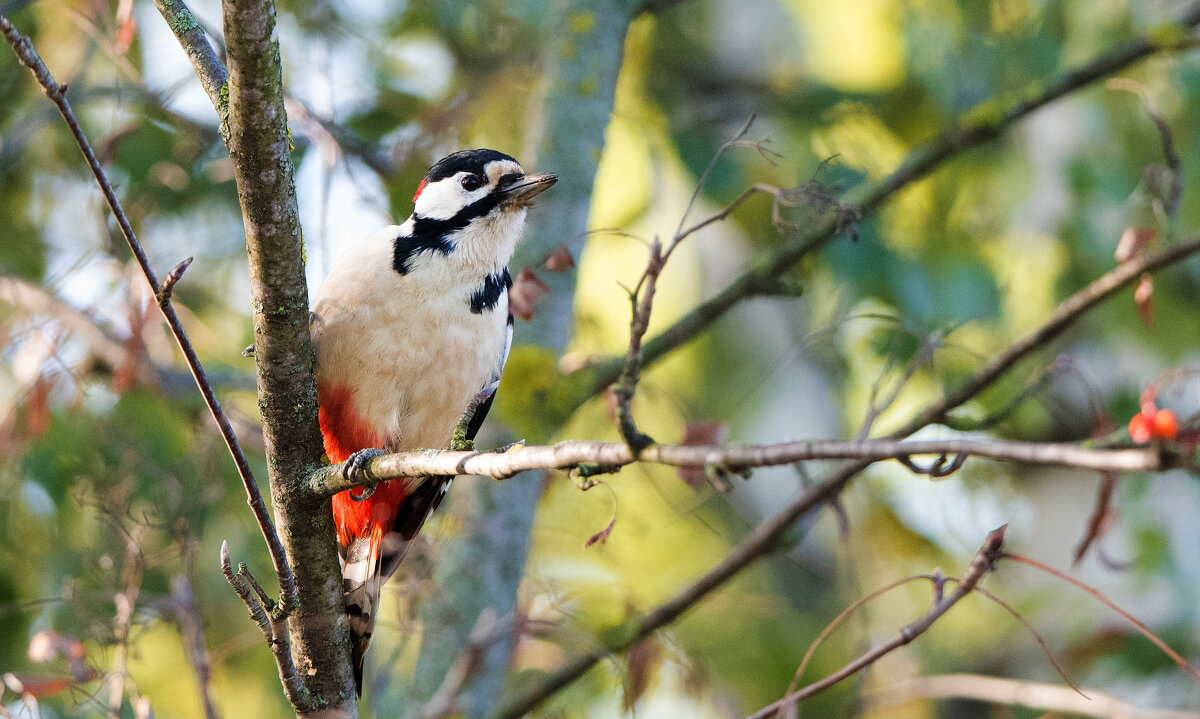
(443, 199)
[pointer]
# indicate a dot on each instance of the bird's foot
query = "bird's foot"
(357, 467)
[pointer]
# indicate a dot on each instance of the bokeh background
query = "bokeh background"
(114, 483)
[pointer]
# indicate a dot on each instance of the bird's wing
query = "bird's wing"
(425, 499)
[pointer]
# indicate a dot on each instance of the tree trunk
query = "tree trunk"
(259, 146)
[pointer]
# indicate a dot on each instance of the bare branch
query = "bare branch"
(125, 602)
(274, 631)
(985, 123)
(193, 635)
(641, 299)
(192, 37)
(1036, 636)
(845, 614)
(1033, 695)
(984, 562)
(1064, 316)
(29, 57)
(1142, 628)
(600, 457)
(261, 152)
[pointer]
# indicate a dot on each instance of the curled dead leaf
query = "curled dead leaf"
(699, 433)
(602, 535)
(1133, 239)
(1142, 296)
(560, 259)
(526, 290)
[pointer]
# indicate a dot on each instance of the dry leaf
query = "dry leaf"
(1142, 296)
(1133, 239)
(602, 535)
(699, 433)
(37, 407)
(1103, 516)
(560, 260)
(642, 660)
(526, 290)
(610, 404)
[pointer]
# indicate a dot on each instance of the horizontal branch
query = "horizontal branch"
(1038, 696)
(599, 457)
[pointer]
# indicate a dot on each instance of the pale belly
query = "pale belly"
(413, 373)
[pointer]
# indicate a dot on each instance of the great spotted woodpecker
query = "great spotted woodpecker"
(412, 329)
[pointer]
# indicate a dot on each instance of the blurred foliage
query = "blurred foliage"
(948, 274)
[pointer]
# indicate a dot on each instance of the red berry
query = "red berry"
(1166, 425)
(1141, 428)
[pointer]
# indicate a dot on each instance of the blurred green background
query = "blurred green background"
(103, 438)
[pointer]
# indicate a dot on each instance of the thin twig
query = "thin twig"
(981, 126)
(57, 94)
(1174, 166)
(274, 630)
(125, 602)
(1142, 628)
(1037, 637)
(1063, 317)
(984, 562)
(193, 635)
(192, 38)
(845, 614)
(641, 301)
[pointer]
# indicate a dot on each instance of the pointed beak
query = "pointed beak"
(521, 189)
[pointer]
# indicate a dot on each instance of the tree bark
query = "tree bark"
(260, 148)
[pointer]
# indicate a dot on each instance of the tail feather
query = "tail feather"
(361, 582)
(372, 558)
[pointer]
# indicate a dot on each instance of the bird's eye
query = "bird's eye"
(470, 183)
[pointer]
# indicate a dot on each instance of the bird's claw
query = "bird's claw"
(357, 466)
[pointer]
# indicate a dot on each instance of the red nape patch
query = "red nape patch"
(420, 189)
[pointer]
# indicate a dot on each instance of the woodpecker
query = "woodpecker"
(412, 329)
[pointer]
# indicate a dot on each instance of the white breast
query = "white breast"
(407, 346)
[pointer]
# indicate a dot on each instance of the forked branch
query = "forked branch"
(984, 562)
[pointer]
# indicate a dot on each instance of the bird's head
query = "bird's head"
(476, 200)
(478, 182)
